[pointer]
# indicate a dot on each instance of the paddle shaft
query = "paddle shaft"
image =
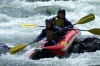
(76, 29)
(83, 20)
(41, 26)
(46, 36)
(31, 43)
(93, 31)
(56, 32)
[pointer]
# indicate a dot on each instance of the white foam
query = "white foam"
(12, 32)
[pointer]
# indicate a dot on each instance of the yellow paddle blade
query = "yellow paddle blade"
(86, 19)
(18, 48)
(29, 25)
(95, 31)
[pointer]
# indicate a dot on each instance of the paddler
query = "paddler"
(50, 28)
(61, 21)
(4, 48)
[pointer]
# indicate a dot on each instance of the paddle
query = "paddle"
(95, 31)
(31, 25)
(86, 19)
(81, 21)
(20, 47)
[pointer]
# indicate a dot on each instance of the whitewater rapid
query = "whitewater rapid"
(13, 13)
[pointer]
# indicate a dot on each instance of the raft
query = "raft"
(59, 50)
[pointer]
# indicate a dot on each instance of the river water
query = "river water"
(13, 13)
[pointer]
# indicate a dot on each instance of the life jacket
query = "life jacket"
(53, 36)
(59, 22)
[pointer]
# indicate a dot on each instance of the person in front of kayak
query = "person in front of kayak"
(61, 21)
(4, 48)
(50, 28)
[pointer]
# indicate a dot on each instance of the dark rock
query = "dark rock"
(85, 44)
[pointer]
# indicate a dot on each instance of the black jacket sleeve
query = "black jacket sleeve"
(41, 35)
(68, 24)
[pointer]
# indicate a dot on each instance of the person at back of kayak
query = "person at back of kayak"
(61, 21)
(50, 28)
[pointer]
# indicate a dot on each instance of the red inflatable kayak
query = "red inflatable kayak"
(59, 50)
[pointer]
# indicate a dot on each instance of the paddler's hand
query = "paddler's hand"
(60, 29)
(35, 40)
(66, 29)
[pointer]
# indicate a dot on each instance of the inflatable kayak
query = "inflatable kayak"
(59, 50)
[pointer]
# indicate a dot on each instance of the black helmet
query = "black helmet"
(49, 20)
(61, 11)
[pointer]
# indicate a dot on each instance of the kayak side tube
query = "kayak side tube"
(41, 53)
